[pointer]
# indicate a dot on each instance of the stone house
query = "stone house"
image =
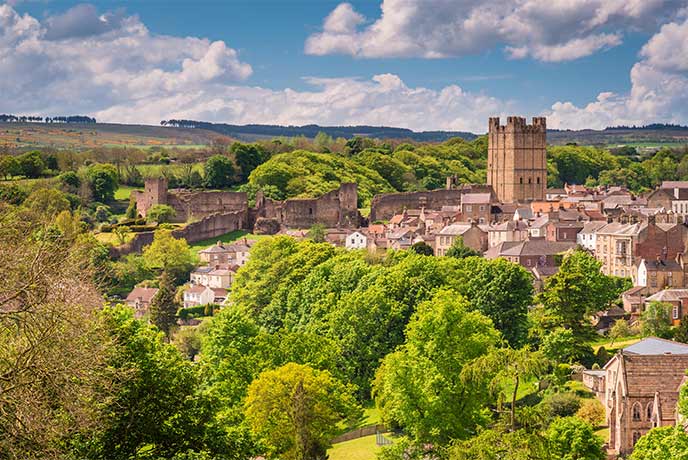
(140, 299)
(236, 253)
(640, 390)
(214, 276)
(563, 230)
(506, 231)
(533, 252)
(197, 295)
(476, 207)
(356, 240)
(538, 227)
(672, 196)
(587, 237)
(473, 236)
(619, 244)
(677, 298)
(660, 199)
(660, 274)
(401, 238)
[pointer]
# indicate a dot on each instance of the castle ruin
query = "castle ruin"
(517, 159)
(338, 208)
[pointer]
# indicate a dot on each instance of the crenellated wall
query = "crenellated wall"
(384, 206)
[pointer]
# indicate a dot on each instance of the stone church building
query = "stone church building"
(639, 388)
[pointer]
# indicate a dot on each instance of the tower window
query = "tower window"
(521, 180)
(538, 180)
(530, 181)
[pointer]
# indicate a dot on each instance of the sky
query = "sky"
(418, 64)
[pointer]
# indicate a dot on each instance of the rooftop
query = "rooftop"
(657, 346)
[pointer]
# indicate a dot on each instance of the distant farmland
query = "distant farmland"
(85, 136)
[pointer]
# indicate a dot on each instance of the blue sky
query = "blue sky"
(423, 64)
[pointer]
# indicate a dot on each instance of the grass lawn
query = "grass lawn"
(356, 449)
(618, 343)
(124, 191)
(603, 432)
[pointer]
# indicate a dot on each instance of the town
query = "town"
(514, 217)
(344, 230)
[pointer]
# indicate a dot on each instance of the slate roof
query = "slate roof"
(674, 184)
(475, 198)
(592, 227)
(668, 295)
(656, 346)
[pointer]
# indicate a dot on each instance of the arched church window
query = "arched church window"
(648, 411)
(521, 180)
(636, 412)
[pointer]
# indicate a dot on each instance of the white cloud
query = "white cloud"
(81, 61)
(118, 71)
(548, 30)
(659, 89)
(383, 100)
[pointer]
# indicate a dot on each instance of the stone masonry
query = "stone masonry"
(516, 159)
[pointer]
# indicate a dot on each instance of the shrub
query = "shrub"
(592, 411)
(562, 404)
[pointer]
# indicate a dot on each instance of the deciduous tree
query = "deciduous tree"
(295, 411)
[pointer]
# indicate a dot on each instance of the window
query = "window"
(675, 312)
(648, 412)
(636, 414)
(482, 207)
(521, 180)
(528, 262)
(537, 180)
(623, 273)
(469, 208)
(530, 181)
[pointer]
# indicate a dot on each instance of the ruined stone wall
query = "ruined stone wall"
(337, 208)
(516, 159)
(188, 204)
(208, 227)
(386, 205)
(198, 204)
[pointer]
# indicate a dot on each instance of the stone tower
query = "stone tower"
(155, 192)
(517, 159)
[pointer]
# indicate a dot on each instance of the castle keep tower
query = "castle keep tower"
(516, 159)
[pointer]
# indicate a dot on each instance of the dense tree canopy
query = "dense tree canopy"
(419, 388)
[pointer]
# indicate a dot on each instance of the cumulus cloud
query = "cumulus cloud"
(83, 61)
(118, 71)
(383, 100)
(659, 88)
(547, 30)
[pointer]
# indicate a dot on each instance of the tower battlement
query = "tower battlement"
(517, 124)
(516, 162)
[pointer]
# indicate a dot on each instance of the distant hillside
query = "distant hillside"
(88, 135)
(190, 133)
(656, 134)
(253, 132)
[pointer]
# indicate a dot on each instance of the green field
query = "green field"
(606, 342)
(124, 191)
(357, 449)
(157, 170)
